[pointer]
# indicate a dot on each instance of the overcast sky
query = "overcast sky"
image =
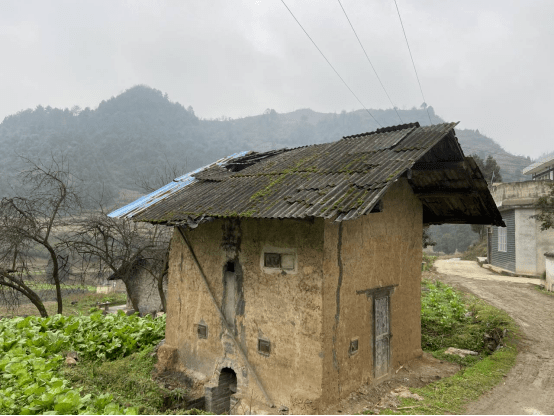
(486, 63)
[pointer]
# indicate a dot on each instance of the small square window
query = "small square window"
(353, 347)
(264, 346)
(202, 331)
(272, 260)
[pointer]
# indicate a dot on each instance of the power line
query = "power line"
(412, 58)
(344, 82)
(372, 67)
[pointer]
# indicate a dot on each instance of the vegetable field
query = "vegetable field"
(32, 352)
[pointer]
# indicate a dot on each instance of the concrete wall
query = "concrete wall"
(378, 250)
(142, 292)
(526, 242)
(519, 193)
(545, 244)
(283, 308)
(549, 262)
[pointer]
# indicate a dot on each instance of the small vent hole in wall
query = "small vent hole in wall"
(202, 331)
(264, 347)
(353, 347)
(230, 267)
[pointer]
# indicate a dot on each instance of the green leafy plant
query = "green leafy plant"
(32, 353)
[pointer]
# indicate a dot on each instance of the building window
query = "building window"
(283, 261)
(353, 347)
(264, 347)
(202, 331)
(502, 239)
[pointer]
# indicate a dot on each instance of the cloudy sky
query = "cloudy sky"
(486, 63)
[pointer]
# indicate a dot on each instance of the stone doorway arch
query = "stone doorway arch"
(218, 398)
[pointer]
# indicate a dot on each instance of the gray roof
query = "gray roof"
(342, 180)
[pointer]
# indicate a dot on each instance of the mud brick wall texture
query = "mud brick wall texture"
(309, 314)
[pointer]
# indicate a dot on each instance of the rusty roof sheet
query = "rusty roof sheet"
(341, 180)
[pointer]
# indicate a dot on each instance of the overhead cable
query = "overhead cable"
(336, 72)
(372, 67)
(412, 58)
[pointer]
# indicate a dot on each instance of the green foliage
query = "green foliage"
(130, 381)
(451, 395)
(32, 353)
(448, 319)
(545, 207)
(429, 261)
(489, 168)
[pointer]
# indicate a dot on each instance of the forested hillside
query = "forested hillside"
(141, 129)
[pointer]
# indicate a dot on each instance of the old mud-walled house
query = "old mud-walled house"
(294, 275)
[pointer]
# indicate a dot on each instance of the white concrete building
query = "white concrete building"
(521, 246)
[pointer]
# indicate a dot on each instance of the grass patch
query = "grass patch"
(478, 249)
(544, 291)
(130, 382)
(450, 318)
(451, 394)
(73, 304)
(429, 262)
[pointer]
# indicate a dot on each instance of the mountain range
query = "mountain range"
(141, 131)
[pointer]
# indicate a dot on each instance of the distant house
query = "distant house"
(139, 277)
(520, 247)
(294, 274)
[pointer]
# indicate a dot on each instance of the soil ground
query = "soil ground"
(416, 373)
(529, 387)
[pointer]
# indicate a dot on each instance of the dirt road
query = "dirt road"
(529, 387)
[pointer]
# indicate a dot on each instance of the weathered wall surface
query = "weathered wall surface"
(283, 308)
(377, 250)
(519, 193)
(549, 262)
(525, 242)
(545, 244)
(142, 292)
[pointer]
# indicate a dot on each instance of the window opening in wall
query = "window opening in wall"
(230, 266)
(202, 331)
(272, 260)
(502, 239)
(353, 347)
(264, 347)
(284, 261)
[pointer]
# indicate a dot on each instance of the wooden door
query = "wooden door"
(381, 325)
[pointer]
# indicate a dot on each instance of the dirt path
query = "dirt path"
(529, 387)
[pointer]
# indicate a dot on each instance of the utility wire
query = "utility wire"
(412, 58)
(372, 67)
(344, 82)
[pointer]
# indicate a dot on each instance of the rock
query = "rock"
(460, 352)
(159, 314)
(283, 409)
(158, 345)
(70, 361)
(405, 393)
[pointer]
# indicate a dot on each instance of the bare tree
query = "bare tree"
(47, 199)
(125, 247)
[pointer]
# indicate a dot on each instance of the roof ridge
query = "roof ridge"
(385, 130)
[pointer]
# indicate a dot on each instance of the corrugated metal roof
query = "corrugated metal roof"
(138, 206)
(539, 165)
(341, 180)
